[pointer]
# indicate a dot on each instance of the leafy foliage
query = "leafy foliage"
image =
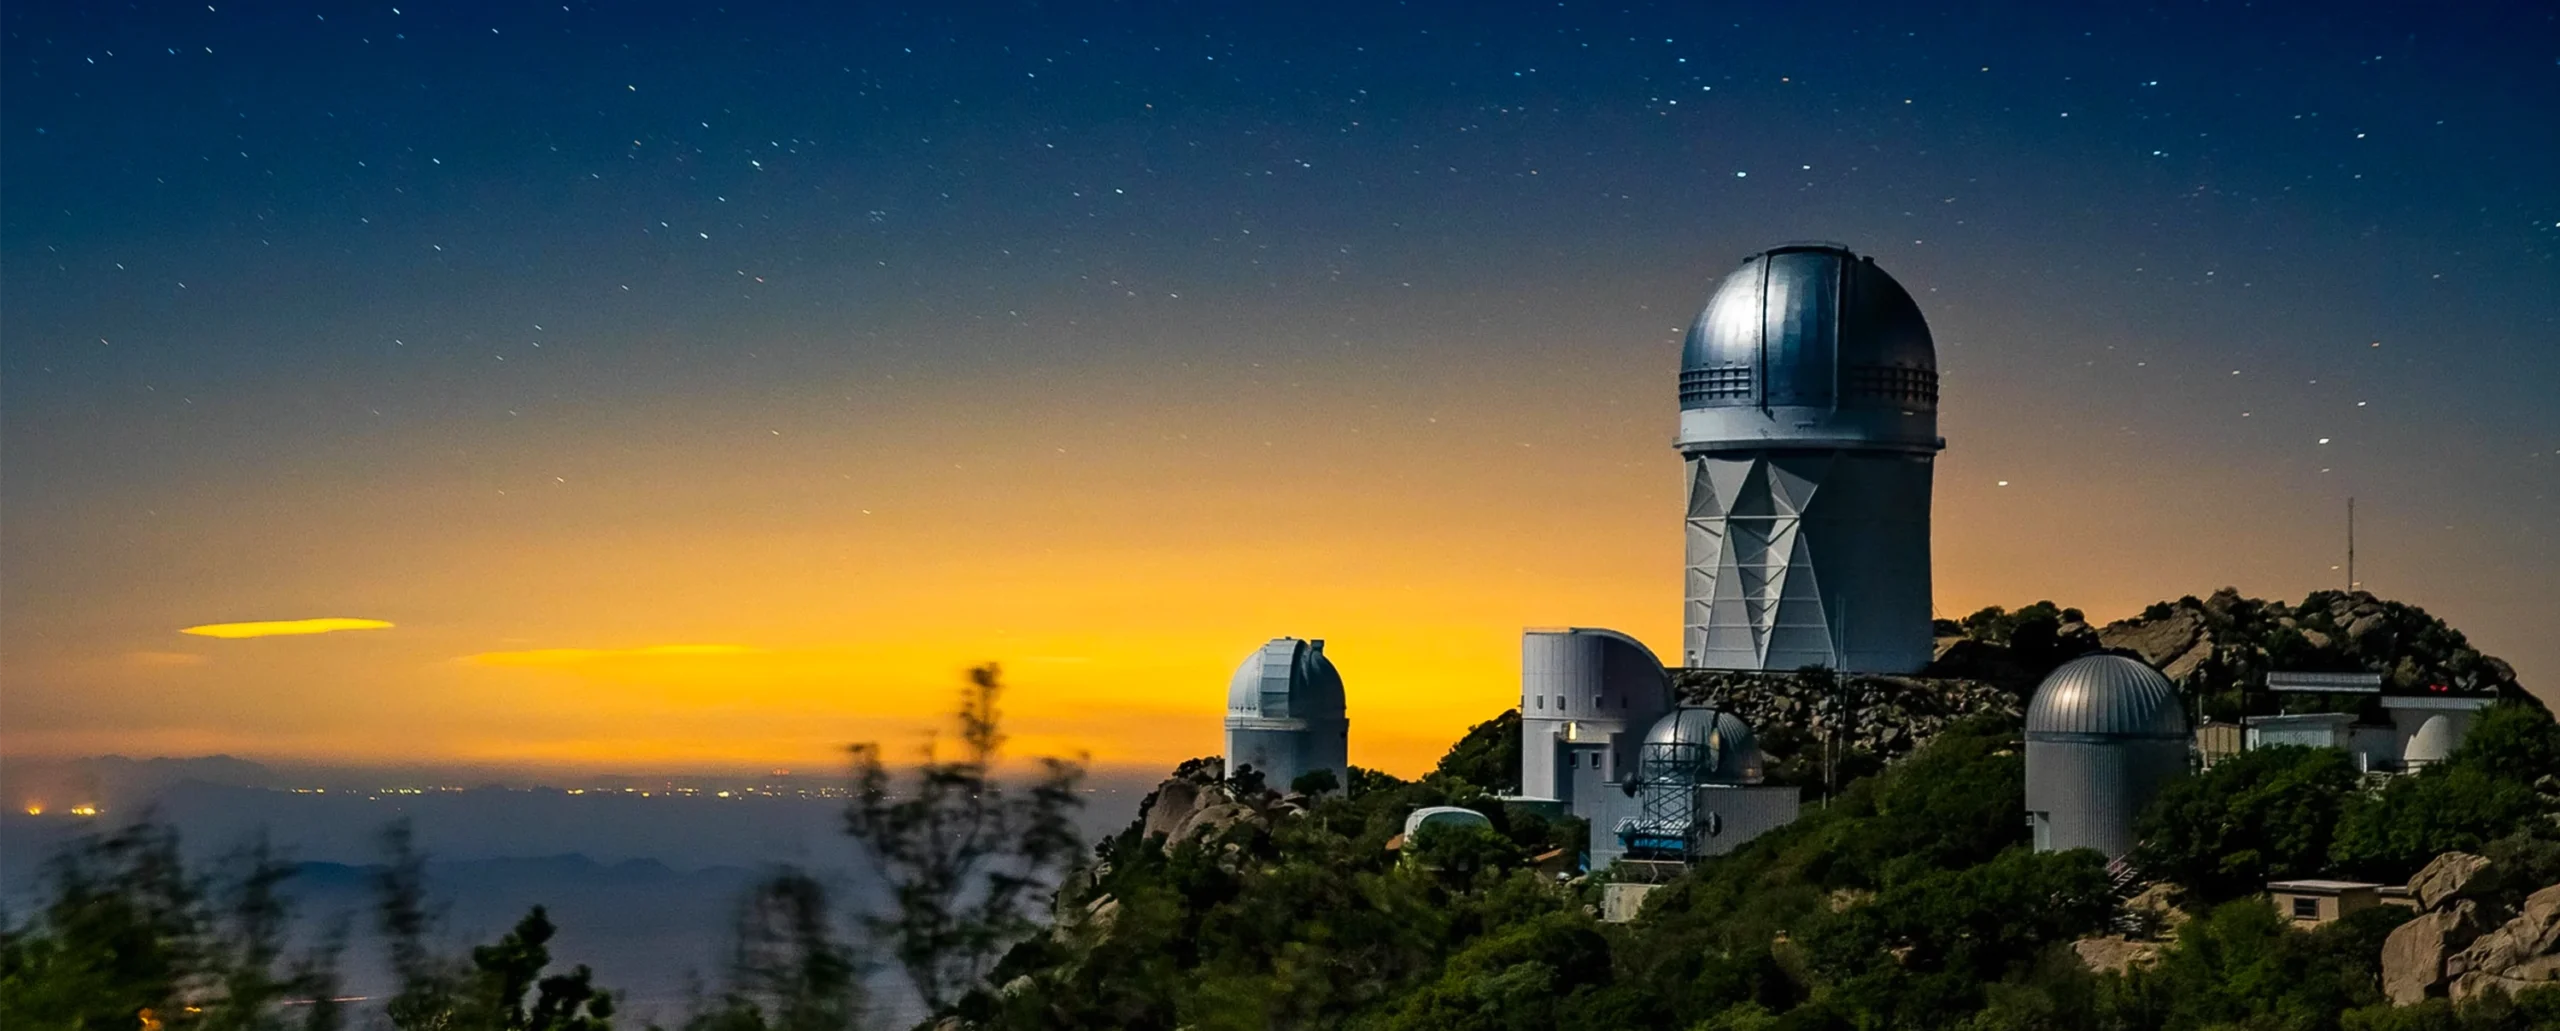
(789, 971)
(1488, 756)
(130, 931)
(2264, 814)
(487, 991)
(961, 849)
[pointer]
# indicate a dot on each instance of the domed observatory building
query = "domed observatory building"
(1584, 695)
(1285, 715)
(1695, 790)
(2103, 734)
(1809, 422)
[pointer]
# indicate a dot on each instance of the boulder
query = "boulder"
(2176, 643)
(2158, 905)
(2369, 634)
(2223, 602)
(1175, 802)
(2414, 957)
(2444, 877)
(2113, 955)
(1210, 820)
(2523, 953)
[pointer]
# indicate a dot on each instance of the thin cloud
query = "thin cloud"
(576, 656)
(285, 627)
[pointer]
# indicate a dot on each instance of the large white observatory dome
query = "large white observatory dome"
(1817, 329)
(1285, 714)
(2104, 732)
(1809, 421)
(1286, 679)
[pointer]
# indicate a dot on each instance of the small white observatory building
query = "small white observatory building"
(1586, 696)
(1285, 715)
(1697, 789)
(1600, 739)
(2104, 732)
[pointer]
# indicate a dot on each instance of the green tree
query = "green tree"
(2415, 818)
(788, 971)
(1529, 976)
(2265, 814)
(1488, 755)
(2242, 966)
(129, 930)
(1919, 952)
(2500, 782)
(2512, 741)
(486, 992)
(961, 850)
(1315, 782)
(1460, 851)
(511, 968)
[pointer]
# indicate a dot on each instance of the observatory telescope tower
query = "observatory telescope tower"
(1809, 422)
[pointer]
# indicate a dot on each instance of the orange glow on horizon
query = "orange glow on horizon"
(687, 601)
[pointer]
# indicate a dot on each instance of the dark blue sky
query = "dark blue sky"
(265, 260)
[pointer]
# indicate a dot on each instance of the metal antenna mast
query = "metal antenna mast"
(2351, 544)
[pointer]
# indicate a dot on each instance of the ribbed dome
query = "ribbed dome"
(2109, 696)
(1286, 679)
(1724, 748)
(1809, 325)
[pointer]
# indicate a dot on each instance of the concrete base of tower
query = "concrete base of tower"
(1808, 557)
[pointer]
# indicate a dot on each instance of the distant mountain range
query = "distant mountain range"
(114, 780)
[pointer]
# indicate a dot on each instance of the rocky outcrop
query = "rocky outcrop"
(1888, 717)
(1174, 803)
(2114, 955)
(2419, 955)
(2176, 642)
(2444, 877)
(2522, 953)
(1210, 820)
(2228, 643)
(1195, 803)
(2156, 909)
(2413, 957)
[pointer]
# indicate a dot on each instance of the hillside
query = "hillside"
(1909, 900)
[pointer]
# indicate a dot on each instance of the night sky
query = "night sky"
(693, 390)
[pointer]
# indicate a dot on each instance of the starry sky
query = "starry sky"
(655, 387)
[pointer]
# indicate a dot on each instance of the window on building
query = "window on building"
(2306, 908)
(1542, 701)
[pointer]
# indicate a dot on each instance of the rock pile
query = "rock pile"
(2228, 642)
(1195, 802)
(1887, 716)
(2522, 953)
(2413, 957)
(2457, 947)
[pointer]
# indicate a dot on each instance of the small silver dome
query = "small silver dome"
(1721, 746)
(1286, 679)
(2106, 696)
(1809, 325)
(1441, 816)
